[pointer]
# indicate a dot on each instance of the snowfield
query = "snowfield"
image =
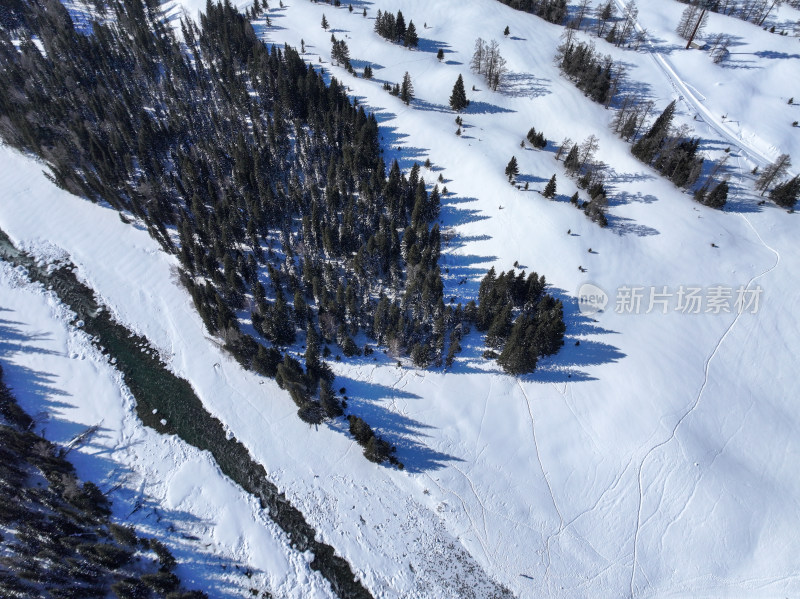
(655, 456)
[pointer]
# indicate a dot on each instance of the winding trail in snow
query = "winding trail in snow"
(693, 406)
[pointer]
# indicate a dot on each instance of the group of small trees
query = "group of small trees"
(553, 11)
(594, 74)
(340, 53)
(580, 163)
(486, 61)
(403, 90)
(521, 321)
(536, 138)
(394, 29)
(670, 151)
(755, 11)
(784, 194)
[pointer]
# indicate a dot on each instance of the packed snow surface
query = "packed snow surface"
(657, 457)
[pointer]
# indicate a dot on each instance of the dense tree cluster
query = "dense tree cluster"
(536, 138)
(670, 151)
(340, 53)
(394, 29)
(715, 197)
(266, 182)
(520, 320)
(238, 158)
(60, 541)
(785, 194)
(375, 449)
(553, 11)
(592, 73)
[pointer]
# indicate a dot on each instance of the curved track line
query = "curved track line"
(549, 487)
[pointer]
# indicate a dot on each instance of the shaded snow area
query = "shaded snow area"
(655, 456)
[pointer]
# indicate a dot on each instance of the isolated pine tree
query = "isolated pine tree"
(440, 54)
(458, 99)
(324, 23)
(506, 31)
(550, 188)
(407, 89)
(368, 72)
(512, 168)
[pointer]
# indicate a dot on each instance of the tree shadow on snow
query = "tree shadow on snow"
(385, 409)
(523, 85)
(566, 365)
(357, 63)
(627, 226)
(428, 45)
(476, 107)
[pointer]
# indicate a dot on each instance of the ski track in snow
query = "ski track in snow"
(549, 488)
(690, 410)
(693, 102)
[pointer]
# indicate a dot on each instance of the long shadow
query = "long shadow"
(525, 178)
(430, 106)
(523, 85)
(476, 107)
(627, 226)
(613, 177)
(452, 216)
(623, 197)
(369, 401)
(428, 45)
(360, 64)
(566, 365)
(741, 199)
(777, 55)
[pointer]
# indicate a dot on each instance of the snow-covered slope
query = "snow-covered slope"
(656, 458)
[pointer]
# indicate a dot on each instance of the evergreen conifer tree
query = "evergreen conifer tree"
(512, 168)
(646, 148)
(785, 194)
(550, 188)
(519, 356)
(324, 23)
(458, 99)
(411, 39)
(718, 196)
(407, 89)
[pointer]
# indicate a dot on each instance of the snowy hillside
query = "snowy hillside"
(655, 455)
